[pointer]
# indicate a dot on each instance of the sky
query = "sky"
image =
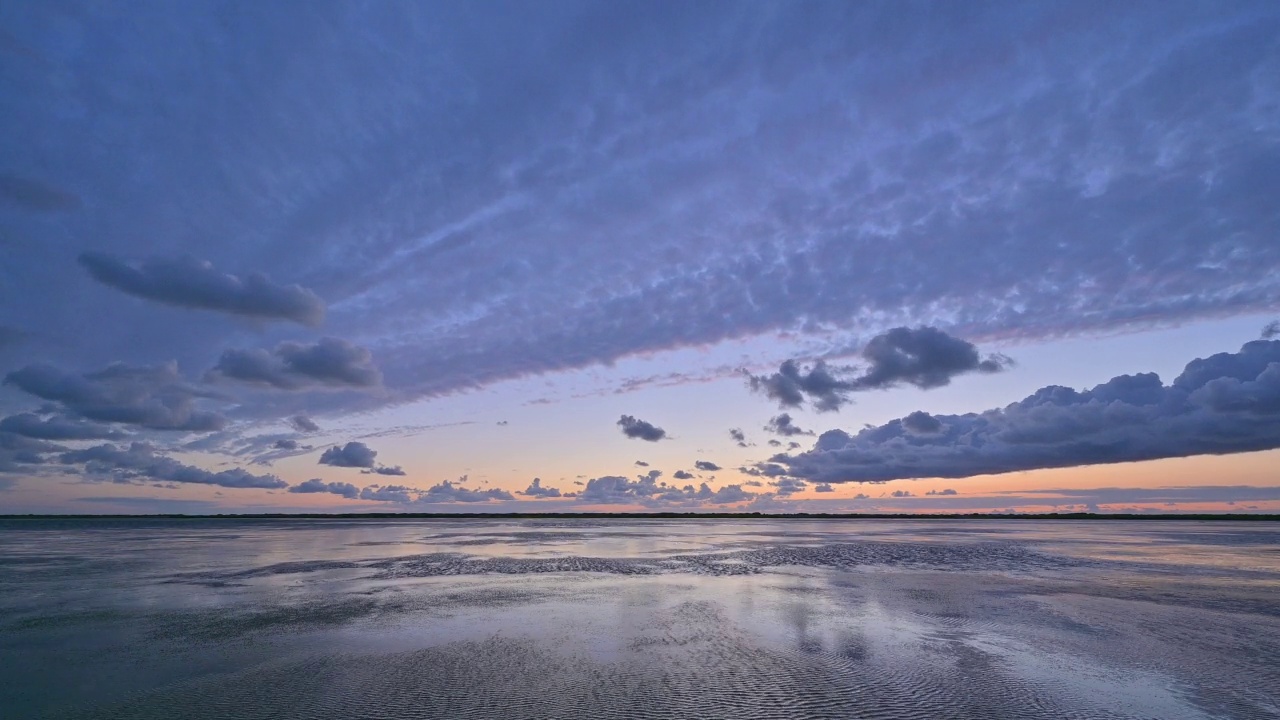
(690, 256)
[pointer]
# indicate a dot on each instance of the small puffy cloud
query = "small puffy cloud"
(706, 466)
(353, 454)
(901, 494)
(785, 426)
(389, 493)
(154, 397)
(925, 357)
(823, 487)
(140, 461)
(447, 492)
(788, 486)
(1226, 403)
(328, 362)
(536, 489)
(385, 470)
(646, 490)
(682, 475)
(57, 428)
(302, 423)
(738, 436)
(633, 428)
(316, 485)
(188, 282)
(947, 491)
(641, 463)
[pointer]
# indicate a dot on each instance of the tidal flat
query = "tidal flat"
(761, 618)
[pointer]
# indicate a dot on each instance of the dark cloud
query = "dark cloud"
(1226, 403)
(901, 494)
(188, 282)
(925, 357)
(536, 489)
(738, 437)
(329, 362)
(647, 490)
(302, 423)
(353, 454)
(788, 486)
(57, 428)
(682, 475)
(151, 397)
(706, 466)
(641, 463)
(316, 485)
(1271, 330)
(947, 491)
(823, 488)
(285, 444)
(922, 423)
(140, 461)
(18, 453)
(783, 425)
(633, 428)
(30, 194)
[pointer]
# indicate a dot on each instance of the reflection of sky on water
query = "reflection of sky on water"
(1082, 619)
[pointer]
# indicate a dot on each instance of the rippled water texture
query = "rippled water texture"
(639, 619)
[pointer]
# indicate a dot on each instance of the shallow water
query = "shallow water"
(646, 619)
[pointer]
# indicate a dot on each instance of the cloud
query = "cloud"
(641, 463)
(948, 491)
(447, 492)
(353, 454)
(153, 397)
(925, 357)
(385, 470)
(285, 444)
(787, 486)
(389, 493)
(706, 466)
(188, 282)
(316, 485)
(901, 494)
(536, 489)
(921, 423)
(57, 428)
(682, 475)
(329, 362)
(34, 195)
(823, 488)
(647, 490)
(1226, 403)
(738, 437)
(633, 428)
(302, 423)
(783, 425)
(1271, 330)
(140, 461)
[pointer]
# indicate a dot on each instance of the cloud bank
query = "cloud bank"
(1226, 403)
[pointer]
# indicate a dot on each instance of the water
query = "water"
(638, 619)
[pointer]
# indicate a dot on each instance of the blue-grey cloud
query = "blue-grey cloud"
(682, 475)
(641, 463)
(447, 492)
(925, 357)
(1271, 330)
(389, 493)
(947, 491)
(639, 429)
(1225, 403)
(706, 466)
(192, 283)
(57, 428)
(328, 362)
(155, 397)
(739, 437)
(141, 461)
(353, 455)
(385, 470)
(302, 423)
(285, 444)
(783, 425)
(537, 489)
(823, 488)
(649, 491)
(316, 485)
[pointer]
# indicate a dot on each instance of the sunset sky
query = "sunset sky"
(546, 256)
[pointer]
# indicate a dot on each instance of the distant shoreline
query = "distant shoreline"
(1241, 517)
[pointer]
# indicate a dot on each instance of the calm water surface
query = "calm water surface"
(645, 619)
